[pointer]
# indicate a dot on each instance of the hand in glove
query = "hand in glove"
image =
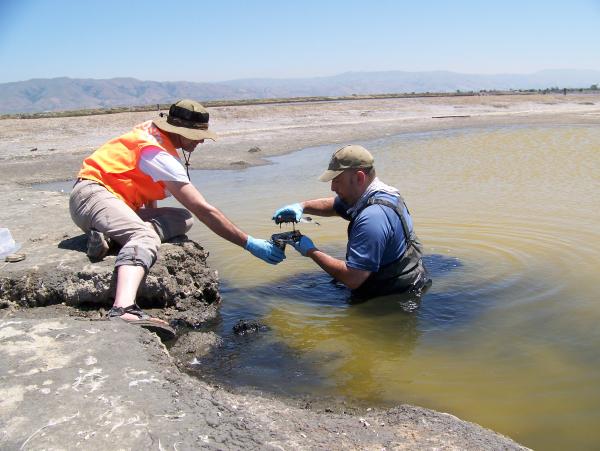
(304, 245)
(288, 213)
(265, 250)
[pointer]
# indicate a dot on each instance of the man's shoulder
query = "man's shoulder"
(378, 202)
(371, 213)
(376, 213)
(386, 196)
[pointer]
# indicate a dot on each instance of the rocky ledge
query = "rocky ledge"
(180, 286)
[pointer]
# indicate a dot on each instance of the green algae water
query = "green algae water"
(508, 336)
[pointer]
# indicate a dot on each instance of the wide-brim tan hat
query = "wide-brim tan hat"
(188, 119)
(348, 157)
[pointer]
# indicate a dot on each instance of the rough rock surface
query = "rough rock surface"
(180, 286)
(180, 283)
(81, 384)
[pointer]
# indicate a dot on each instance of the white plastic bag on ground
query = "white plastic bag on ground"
(7, 244)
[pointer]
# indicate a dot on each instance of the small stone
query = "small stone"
(14, 258)
(255, 149)
(33, 149)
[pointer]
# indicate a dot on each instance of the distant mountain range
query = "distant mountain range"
(59, 94)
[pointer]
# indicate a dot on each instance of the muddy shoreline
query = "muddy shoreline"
(44, 150)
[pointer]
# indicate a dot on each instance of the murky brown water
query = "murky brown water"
(509, 334)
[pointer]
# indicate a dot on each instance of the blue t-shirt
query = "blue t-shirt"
(377, 237)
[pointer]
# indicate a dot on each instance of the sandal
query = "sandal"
(156, 325)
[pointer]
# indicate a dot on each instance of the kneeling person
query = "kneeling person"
(115, 198)
(383, 255)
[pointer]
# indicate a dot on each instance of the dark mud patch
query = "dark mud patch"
(194, 345)
(245, 327)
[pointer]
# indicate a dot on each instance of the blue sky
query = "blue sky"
(225, 39)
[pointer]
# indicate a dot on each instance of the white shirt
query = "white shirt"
(162, 166)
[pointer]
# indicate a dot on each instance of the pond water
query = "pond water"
(508, 336)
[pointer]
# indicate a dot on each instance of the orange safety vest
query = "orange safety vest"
(115, 165)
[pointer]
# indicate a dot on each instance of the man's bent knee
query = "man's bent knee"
(137, 256)
(141, 249)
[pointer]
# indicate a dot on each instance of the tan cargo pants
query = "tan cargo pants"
(139, 233)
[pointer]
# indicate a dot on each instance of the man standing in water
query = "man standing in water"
(115, 197)
(383, 254)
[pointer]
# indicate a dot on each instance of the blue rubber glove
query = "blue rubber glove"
(293, 212)
(303, 245)
(265, 250)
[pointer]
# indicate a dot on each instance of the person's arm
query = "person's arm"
(164, 167)
(352, 278)
(338, 269)
(319, 207)
(213, 218)
(293, 212)
(367, 243)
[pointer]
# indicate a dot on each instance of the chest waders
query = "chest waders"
(407, 273)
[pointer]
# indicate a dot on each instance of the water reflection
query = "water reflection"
(310, 312)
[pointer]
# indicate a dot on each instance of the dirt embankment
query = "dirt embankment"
(69, 380)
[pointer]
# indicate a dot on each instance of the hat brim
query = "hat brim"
(194, 134)
(329, 175)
